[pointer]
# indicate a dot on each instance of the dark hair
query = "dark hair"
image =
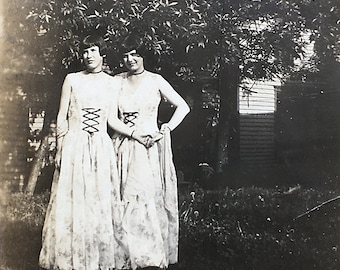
(133, 43)
(93, 40)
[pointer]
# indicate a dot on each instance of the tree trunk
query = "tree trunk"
(37, 165)
(48, 130)
(227, 130)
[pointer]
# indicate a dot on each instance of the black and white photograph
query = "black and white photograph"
(170, 134)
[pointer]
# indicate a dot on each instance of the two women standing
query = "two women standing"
(113, 204)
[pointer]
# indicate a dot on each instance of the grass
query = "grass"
(256, 228)
(245, 228)
(21, 223)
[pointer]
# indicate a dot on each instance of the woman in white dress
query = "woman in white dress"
(147, 234)
(78, 230)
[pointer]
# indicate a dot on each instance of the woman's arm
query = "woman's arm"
(62, 125)
(182, 108)
(113, 120)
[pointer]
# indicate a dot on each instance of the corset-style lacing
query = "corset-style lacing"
(90, 122)
(129, 117)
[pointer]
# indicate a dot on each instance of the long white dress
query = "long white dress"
(147, 229)
(78, 229)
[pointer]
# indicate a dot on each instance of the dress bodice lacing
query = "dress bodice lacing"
(139, 108)
(86, 115)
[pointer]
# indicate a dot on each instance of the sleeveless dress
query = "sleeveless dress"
(146, 229)
(78, 229)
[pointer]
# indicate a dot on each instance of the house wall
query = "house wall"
(13, 140)
(257, 106)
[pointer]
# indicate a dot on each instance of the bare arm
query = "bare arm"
(182, 108)
(62, 125)
(113, 119)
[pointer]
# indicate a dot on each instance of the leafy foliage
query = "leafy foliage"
(261, 37)
(322, 18)
(190, 40)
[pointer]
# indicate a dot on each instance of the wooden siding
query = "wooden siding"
(36, 123)
(257, 134)
(260, 99)
(13, 139)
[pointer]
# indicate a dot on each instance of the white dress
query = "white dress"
(147, 228)
(78, 229)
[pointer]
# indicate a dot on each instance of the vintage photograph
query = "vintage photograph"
(169, 134)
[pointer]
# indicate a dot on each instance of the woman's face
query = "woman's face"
(133, 61)
(92, 58)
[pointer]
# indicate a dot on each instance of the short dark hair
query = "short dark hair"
(93, 40)
(133, 43)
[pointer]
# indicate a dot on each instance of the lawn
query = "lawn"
(245, 228)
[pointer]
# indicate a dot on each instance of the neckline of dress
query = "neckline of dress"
(95, 72)
(135, 74)
(129, 92)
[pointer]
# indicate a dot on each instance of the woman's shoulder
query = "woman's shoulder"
(159, 79)
(117, 78)
(74, 75)
(152, 74)
(120, 76)
(156, 76)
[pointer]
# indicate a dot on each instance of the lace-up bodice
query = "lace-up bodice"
(88, 114)
(140, 107)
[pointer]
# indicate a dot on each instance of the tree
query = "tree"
(322, 20)
(315, 87)
(226, 40)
